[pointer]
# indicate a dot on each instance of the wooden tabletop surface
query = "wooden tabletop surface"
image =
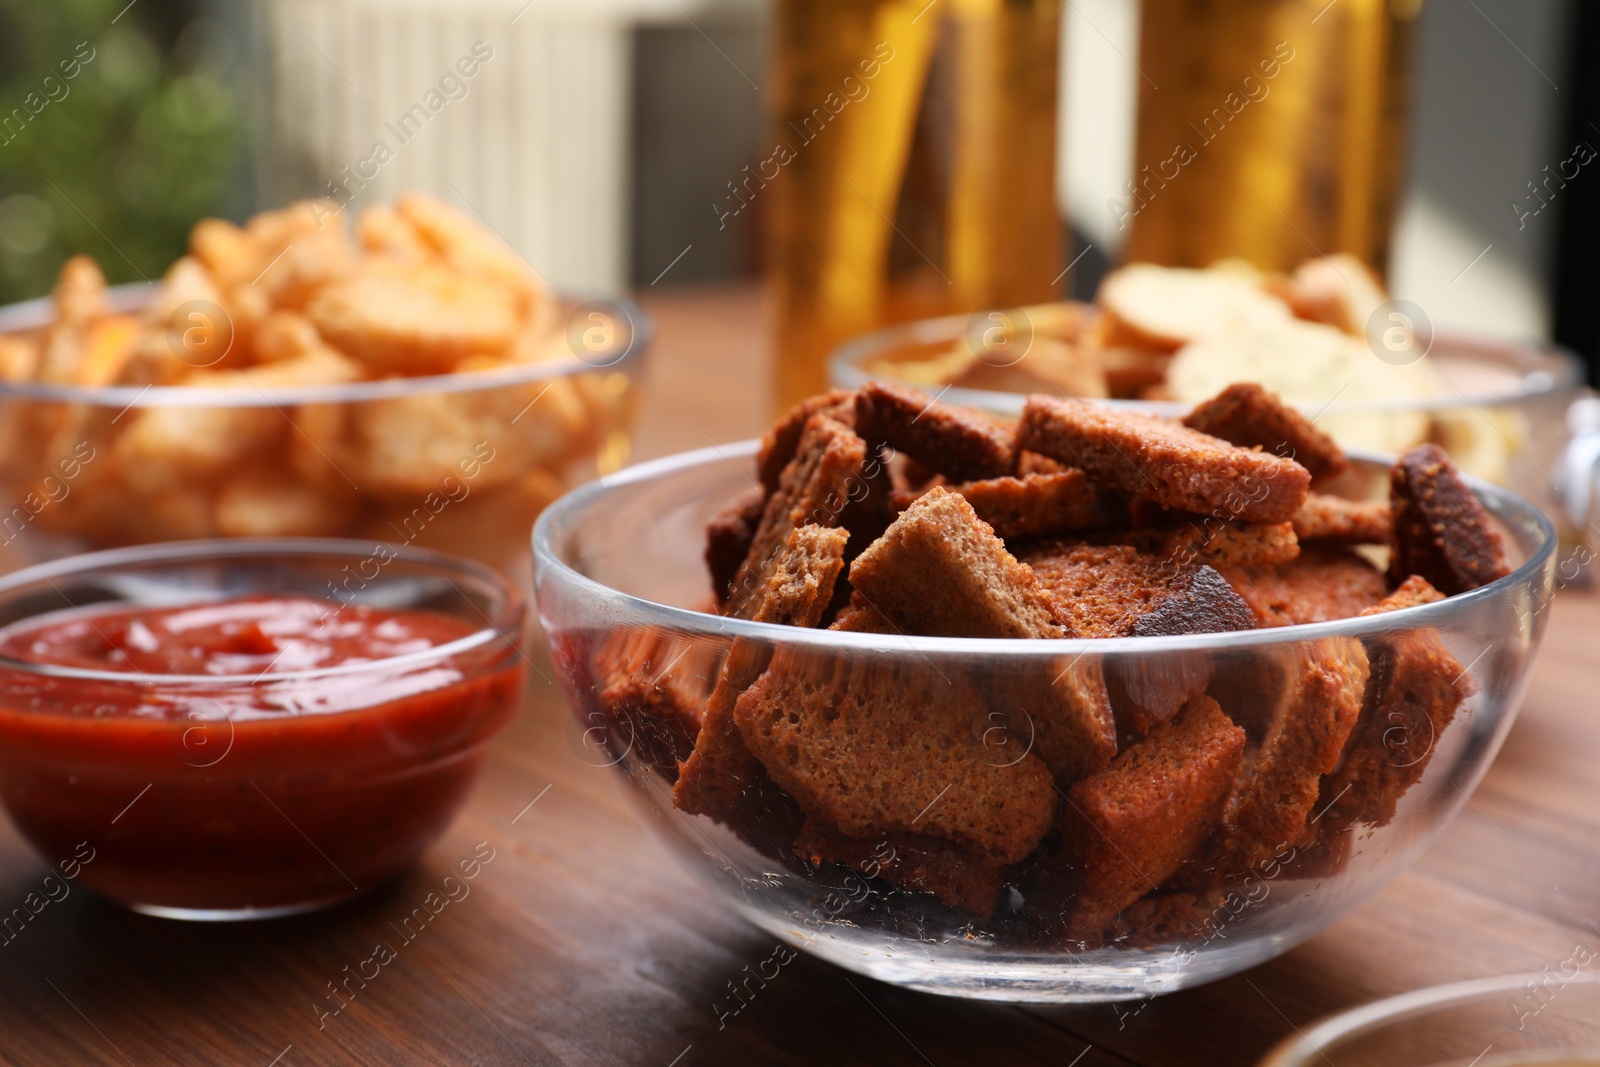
(582, 943)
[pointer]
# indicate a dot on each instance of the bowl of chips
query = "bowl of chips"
(414, 382)
(1372, 371)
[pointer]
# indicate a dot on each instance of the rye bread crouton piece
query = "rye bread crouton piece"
(859, 617)
(1323, 584)
(1248, 415)
(1441, 531)
(940, 571)
(1415, 690)
(814, 490)
(963, 445)
(884, 746)
(654, 687)
(1035, 505)
(728, 538)
(782, 441)
(1115, 591)
(721, 778)
(1275, 795)
(1134, 823)
(1217, 542)
(1345, 522)
(1033, 463)
(1171, 464)
(1058, 709)
(915, 861)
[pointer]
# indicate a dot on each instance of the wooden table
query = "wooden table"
(581, 942)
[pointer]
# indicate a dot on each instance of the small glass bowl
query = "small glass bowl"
(459, 463)
(219, 797)
(1551, 1018)
(618, 569)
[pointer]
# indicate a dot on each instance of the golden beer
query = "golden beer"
(1270, 130)
(913, 169)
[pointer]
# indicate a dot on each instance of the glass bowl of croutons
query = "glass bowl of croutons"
(1093, 705)
(1372, 371)
(408, 379)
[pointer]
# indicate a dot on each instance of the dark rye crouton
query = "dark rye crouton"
(1248, 415)
(877, 746)
(1137, 820)
(1414, 692)
(1275, 795)
(813, 490)
(915, 861)
(1170, 464)
(859, 617)
(1115, 591)
(1216, 541)
(781, 442)
(728, 538)
(1034, 505)
(653, 686)
(963, 445)
(721, 774)
(1341, 521)
(1058, 709)
(1441, 531)
(1321, 585)
(939, 570)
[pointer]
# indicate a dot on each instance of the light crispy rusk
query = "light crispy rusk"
(1275, 795)
(471, 249)
(1339, 290)
(1169, 464)
(880, 746)
(80, 299)
(383, 231)
(963, 445)
(418, 318)
(721, 777)
(813, 489)
(915, 861)
(1415, 690)
(1130, 371)
(1441, 531)
(274, 503)
(1167, 307)
(1248, 415)
(1048, 366)
(728, 537)
(1217, 541)
(1137, 820)
(19, 358)
(939, 570)
(1034, 505)
(1323, 584)
(166, 351)
(1341, 521)
(779, 444)
(1114, 591)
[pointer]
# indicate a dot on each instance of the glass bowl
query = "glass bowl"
(618, 570)
(244, 796)
(1505, 417)
(1550, 1018)
(460, 463)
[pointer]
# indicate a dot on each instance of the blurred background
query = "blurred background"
(604, 138)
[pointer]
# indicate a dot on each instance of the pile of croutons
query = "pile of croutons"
(270, 319)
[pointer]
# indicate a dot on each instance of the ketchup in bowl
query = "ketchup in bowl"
(257, 750)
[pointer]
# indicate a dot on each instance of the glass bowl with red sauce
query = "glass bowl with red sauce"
(244, 729)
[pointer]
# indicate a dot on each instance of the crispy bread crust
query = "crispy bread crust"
(1341, 521)
(961, 444)
(1321, 585)
(1248, 415)
(1033, 505)
(1440, 530)
(1173, 465)
(915, 861)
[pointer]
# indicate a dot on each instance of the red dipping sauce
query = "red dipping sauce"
(245, 757)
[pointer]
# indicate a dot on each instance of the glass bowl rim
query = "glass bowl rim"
(1307, 1045)
(1562, 370)
(33, 314)
(494, 629)
(570, 508)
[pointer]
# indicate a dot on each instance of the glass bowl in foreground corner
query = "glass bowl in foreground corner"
(618, 567)
(458, 463)
(306, 758)
(1549, 1019)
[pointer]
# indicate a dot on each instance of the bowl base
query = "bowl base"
(234, 915)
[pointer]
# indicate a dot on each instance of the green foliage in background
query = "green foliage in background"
(119, 161)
